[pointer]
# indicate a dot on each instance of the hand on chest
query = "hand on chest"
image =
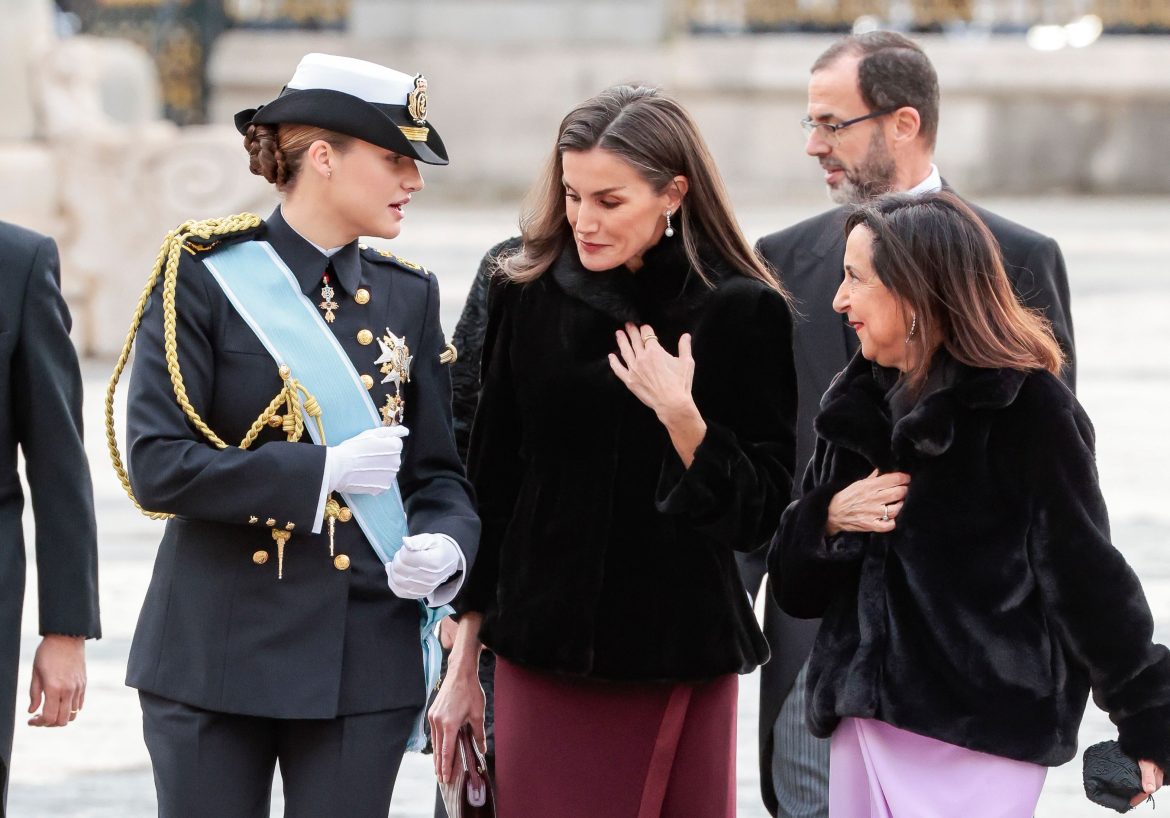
(561, 353)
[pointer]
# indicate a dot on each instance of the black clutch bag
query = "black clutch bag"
(1111, 777)
(469, 793)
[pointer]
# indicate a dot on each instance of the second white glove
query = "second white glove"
(422, 564)
(366, 463)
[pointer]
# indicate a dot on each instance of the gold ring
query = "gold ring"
(74, 712)
(648, 338)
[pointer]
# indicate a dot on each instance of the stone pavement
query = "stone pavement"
(98, 767)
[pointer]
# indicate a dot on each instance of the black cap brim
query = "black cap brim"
(344, 113)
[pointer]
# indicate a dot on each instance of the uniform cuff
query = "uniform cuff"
(450, 588)
(323, 496)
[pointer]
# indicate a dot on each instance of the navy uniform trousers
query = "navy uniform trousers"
(214, 764)
(320, 671)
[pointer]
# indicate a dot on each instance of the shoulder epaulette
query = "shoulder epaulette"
(386, 257)
(204, 236)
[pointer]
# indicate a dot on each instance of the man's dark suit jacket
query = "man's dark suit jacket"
(40, 412)
(809, 258)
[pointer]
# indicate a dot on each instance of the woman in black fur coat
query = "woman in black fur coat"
(635, 430)
(952, 535)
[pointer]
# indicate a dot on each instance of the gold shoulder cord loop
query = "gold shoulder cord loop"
(202, 235)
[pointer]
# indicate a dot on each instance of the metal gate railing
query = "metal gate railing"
(1151, 16)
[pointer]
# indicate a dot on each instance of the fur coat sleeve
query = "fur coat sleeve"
(742, 472)
(1092, 594)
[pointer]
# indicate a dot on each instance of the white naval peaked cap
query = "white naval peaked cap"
(364, 80)
(358, 98)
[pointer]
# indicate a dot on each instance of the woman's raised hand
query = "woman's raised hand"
(871, 504)
(657, 378)
(662, 382)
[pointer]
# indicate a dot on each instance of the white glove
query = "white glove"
(422, 564)
(366, 463)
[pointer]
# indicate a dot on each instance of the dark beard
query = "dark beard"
(873, 177)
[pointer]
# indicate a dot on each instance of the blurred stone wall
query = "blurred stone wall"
(86, 157)
(1014, 120)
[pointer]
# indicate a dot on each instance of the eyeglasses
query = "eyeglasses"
(831, 131)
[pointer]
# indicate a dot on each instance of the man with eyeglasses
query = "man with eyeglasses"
(873, 107)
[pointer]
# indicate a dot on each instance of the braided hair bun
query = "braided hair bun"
(265, 157)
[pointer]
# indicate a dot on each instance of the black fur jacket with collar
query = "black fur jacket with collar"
(602, 556)
(986, 616)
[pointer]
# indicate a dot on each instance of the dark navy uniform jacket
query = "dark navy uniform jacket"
(217, 630)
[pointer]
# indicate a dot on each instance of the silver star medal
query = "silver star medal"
(395, 365)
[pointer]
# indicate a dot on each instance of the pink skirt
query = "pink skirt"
(575, 748)
(880, 771)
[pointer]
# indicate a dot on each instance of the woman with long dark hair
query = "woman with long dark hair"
(635, 430)
(952, 535)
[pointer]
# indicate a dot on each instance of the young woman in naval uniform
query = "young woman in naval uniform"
(282, 622)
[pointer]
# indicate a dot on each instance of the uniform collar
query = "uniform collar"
(307, 261)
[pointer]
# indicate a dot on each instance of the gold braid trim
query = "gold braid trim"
(193, 236)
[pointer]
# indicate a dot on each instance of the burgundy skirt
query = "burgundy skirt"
(576, 748)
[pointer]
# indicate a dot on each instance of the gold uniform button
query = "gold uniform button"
(367, 382)
(341, 562)
(344, 514)
(365, 337)
(362, 296)
(260, 557)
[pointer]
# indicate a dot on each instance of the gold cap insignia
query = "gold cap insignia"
(416, 100)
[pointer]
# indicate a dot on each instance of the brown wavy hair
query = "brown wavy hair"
(275, 151)
(944, 265)
(658, 138)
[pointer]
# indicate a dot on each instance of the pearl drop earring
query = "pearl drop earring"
(669, 229)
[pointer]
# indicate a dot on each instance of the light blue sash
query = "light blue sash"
(268, 297)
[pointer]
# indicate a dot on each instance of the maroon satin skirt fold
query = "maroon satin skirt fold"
(578, 748)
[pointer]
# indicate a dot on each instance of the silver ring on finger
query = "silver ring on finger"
(885, 513)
